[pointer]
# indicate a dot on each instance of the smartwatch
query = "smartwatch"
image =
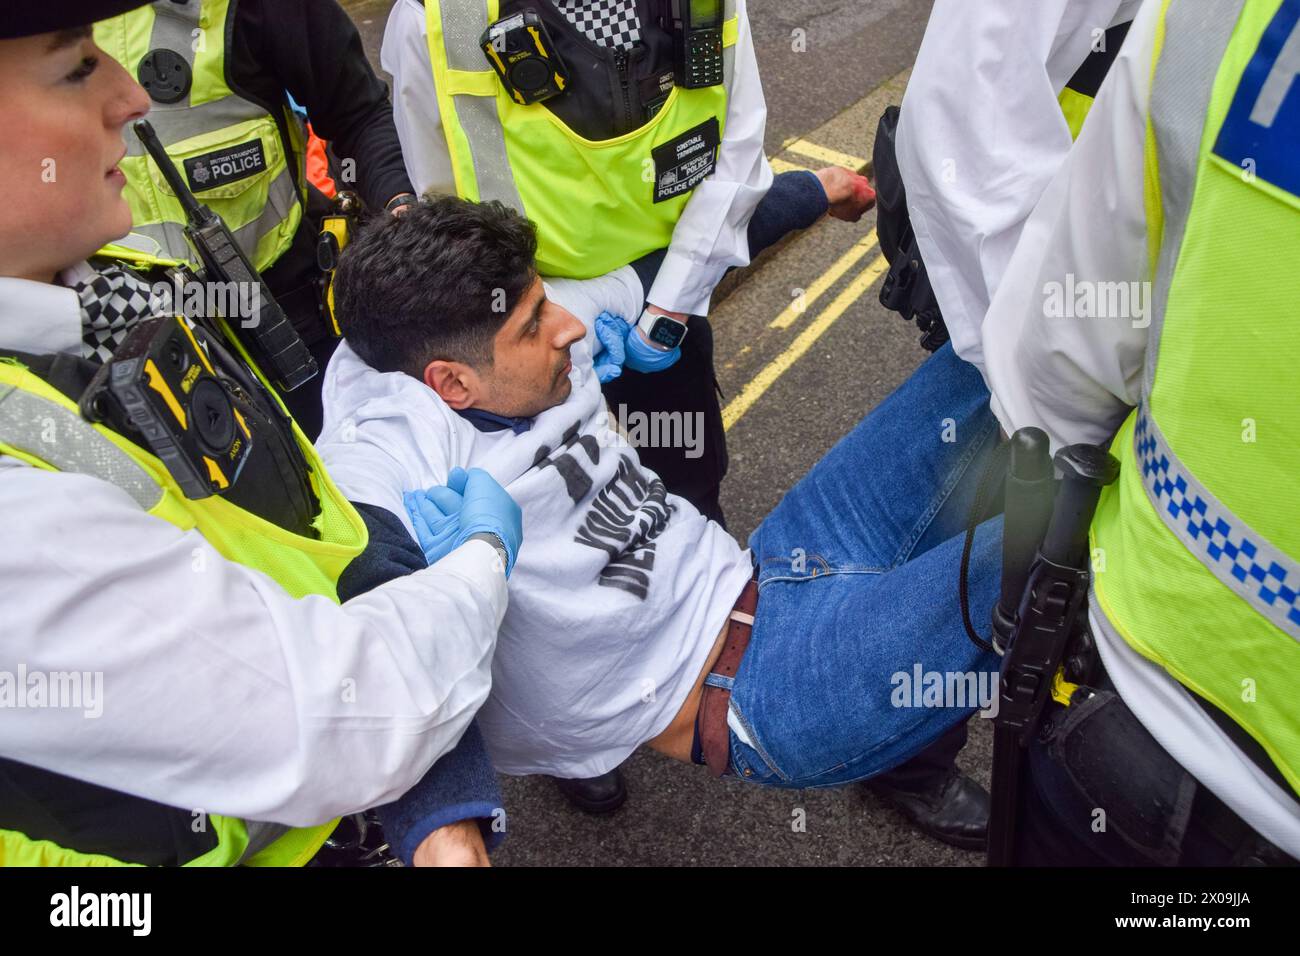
(663, 331)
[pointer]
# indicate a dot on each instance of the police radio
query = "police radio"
(273, 342)
(698, 40)
(521, 52)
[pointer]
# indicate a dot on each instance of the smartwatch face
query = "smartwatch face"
(667, 332)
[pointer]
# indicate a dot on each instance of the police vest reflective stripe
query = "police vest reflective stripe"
(593, 202)
(243, 162)
(29, 409)
(1199, 538)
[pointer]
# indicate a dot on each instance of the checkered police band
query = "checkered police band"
(111, 304)
(608, 23)
(1266, 577)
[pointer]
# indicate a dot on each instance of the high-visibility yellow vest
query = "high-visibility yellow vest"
(1201, 533)
(302, 566)
(245, 163)
(1081, 91)
(592, 201)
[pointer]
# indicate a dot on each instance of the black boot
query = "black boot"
(935, 796)
(953, 809)
(595, 795)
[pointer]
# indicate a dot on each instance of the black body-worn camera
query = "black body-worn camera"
(521, 52)
(161, 384)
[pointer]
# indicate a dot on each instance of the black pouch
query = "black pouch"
(893, 225)
(906, 288)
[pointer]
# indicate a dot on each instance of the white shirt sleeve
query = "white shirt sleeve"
(618, 293)
(1077, 377)
(712, 233)
(405, 54)
(982, 132)
(220, 692)
(377, 464)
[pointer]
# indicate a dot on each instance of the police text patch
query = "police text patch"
(682, 162)
(1262, 129)
(227, 165)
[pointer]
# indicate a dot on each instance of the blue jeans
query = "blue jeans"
(858, 570)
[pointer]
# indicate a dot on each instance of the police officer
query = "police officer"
(179, 683)
(217, 72)
(998, 91)
(1152, 304)
(622, 162)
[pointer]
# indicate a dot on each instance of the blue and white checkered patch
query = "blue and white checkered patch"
(1262, 575)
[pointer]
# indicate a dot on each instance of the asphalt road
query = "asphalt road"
(818, 59)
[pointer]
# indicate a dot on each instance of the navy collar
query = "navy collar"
(489, 422)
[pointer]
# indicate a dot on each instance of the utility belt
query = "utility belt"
(303, 277)
(1083, 663)
(306, 308)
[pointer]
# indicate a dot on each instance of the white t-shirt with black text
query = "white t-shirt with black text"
(619, 589)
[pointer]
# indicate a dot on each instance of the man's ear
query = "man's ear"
(456, 384)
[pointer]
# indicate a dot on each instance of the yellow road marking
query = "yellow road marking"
(784, 166)
(825, 154)
(790, 314)
(764, 380)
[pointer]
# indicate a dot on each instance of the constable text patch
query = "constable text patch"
(654, 92)
(227, 165)
(682, 162)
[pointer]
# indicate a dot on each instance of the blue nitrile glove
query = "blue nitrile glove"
(611, 332)
(435, 515)
(487, 507)
(644, 357)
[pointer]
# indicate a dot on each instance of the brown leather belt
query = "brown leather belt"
(715, 736)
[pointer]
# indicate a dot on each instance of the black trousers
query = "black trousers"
(795, 201)
(687, 388)
(1099, 791)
